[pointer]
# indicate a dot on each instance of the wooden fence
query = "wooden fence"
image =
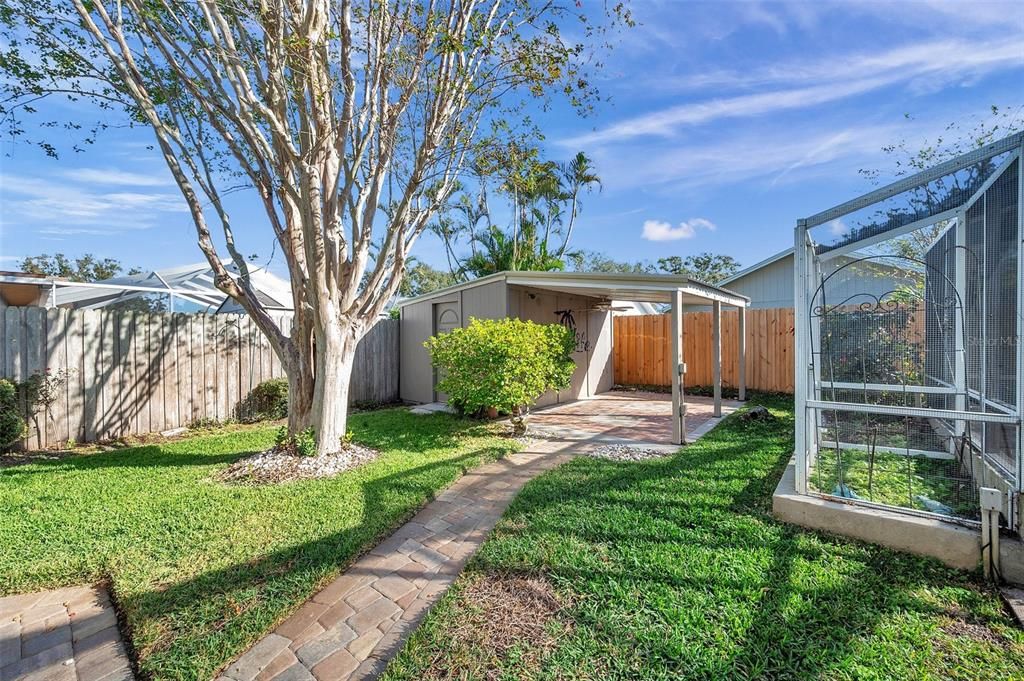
(134, 373)
(643, 349)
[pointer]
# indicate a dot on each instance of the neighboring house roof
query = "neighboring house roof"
(769, 283)
(273, 292)
(756, 266)
(192, 283)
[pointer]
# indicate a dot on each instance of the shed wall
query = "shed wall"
(593, 354)
(496, 300)
(487, 301)
(417, 376)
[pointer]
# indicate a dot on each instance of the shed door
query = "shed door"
(446, 318)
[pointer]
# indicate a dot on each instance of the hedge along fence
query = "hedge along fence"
(643, 350)
(129, 373)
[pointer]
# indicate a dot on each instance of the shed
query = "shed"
(581, 301)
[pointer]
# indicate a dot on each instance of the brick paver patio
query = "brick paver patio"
(350, 629)
(640, 419)
(63, 635)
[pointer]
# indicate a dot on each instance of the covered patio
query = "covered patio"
(679, 292)
(637, 419)
(584, 303)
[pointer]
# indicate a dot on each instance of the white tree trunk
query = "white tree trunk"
(335, 355)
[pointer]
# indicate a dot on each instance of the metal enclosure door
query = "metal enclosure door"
(446, 318)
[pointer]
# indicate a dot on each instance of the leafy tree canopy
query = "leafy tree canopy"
(592, 261)
(86, 267)
(421, 278)
(352, 123)
(710, 268)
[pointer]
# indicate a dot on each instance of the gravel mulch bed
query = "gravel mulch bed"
(277, 466)
(625, 453)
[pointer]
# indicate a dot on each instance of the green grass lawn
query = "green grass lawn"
(201, 569)
(675, 569)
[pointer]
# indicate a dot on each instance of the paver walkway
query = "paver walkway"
(61, 635)
(350, 629)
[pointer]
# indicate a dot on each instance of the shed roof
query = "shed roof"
(647, 288)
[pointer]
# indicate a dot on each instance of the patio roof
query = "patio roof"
(644, 288)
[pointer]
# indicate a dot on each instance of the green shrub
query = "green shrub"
(267, 401)
(203, 423)
(303, 444)
(12, 425)
(506, 364)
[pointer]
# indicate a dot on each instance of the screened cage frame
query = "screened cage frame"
(816, 397)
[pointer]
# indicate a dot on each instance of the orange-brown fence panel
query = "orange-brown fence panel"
(643, 349)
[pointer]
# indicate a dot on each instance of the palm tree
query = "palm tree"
(576, 175)
(541, 194)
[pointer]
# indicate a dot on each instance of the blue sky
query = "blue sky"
(727, 122)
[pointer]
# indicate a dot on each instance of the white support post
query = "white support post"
(959, 344)
(1016, 510)
(678, 368)
(801, 350)
(716, 355)
(742, 352)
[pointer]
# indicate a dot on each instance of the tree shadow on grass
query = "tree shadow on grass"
(436, 431)
(193, 627)
(780, 602)
(144, 456)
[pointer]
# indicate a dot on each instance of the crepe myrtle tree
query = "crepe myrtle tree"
(350, 120)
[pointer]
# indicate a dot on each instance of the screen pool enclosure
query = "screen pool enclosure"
(909, 395)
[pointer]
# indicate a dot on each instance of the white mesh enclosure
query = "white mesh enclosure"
(907, 341)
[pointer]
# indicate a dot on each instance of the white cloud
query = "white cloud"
(118, 177)
(665, 122)
(757, 13)
(658, 230)
(800, 86)
(770, 153)
(950, 58)
(837, 227)
(63, 208)
(923, 16)
(780, 157)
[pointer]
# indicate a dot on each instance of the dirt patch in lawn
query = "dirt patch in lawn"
(500, 613)
(959, 624)
(277, 466)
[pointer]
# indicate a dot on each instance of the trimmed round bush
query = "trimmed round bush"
(502, 363)
(268, 400)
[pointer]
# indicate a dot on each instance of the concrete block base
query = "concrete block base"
(954, 545)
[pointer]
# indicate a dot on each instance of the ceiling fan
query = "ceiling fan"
(608, 307)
